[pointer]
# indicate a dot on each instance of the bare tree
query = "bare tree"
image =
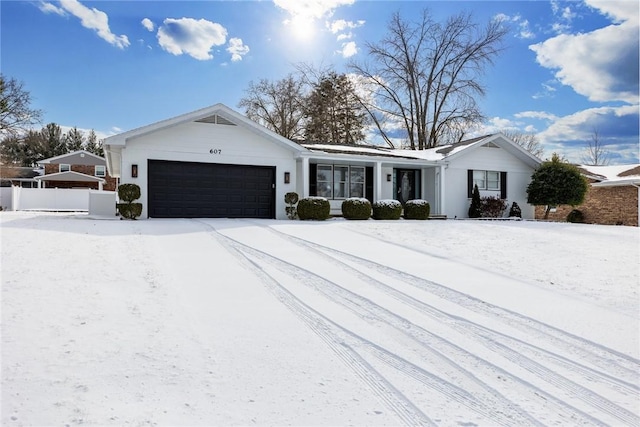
(528, 141)
(276, 105)
(596, 154)
(16, 113)
(424, 77)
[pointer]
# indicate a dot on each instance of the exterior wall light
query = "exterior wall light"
(134, 171)
(287, 177)
(388, 177)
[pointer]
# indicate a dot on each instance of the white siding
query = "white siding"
(209, 143)
(486, 158)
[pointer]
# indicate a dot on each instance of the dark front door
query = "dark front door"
(407, 185)
(210, 190)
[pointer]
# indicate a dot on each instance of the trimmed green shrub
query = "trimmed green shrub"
(492, 207)
(130, 210)
(575, 216)
(475, 210)
(515, 211)
(356, 208)
(291, 199)
(387, 209)
(128, 192)
(417, 209)
(315, 208)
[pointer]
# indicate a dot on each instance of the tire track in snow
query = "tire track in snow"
(326, 330)
(596, 353)
(492, 340)
(494, 407)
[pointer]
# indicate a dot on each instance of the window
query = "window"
(340, 181)
(64, 167)
(101, 170)
(486, 180)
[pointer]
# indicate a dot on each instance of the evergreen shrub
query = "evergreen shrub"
(515, 211)
(314, 208)
(387, 209)
(128, 192)
(417, 209)
(475, 210)
(291, 199)
(356, 208)
(575, 216)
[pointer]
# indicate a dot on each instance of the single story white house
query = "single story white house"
(216, 163)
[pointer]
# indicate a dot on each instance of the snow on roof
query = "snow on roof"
(614, 175)
(431, 154)
(612, 172)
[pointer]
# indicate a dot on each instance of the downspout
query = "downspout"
(638, 213)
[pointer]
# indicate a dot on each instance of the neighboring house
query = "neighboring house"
(79, 169)
(611, 199)
(215, 162)
(18, 176)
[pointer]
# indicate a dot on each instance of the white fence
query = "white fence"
(6, 198)
(61, 199)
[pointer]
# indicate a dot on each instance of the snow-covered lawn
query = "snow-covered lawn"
(241, 322)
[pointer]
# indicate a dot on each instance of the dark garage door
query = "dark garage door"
(210, 190)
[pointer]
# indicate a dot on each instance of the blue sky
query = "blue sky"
(569, 68)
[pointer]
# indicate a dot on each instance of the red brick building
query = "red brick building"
(79, 169)
(612, 196)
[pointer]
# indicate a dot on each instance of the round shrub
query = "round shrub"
(317, 208)
(291, 198)
(417, 209)
(356, 208)
(128, 192)
(575, 216)
(129, 210)
(387, 209)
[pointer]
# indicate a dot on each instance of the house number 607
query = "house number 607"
(215, 151)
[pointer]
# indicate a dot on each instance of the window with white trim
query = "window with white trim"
(63, 167)
(486, 180)
(340, 181)
(101, 170)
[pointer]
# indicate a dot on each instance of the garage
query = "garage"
(210, 190)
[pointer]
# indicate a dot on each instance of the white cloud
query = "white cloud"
(193, 37)
(148, 24)
(344, 36)
(314, 9)
(523, 29)
(237, 49)
(542, 115)
(92, 19)
(341, 25)
(51, 8)
(603, 64)
(348, 49)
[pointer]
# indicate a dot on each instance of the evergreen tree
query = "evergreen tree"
(93, 145)
(333, 111)
(53, 143)
(74, 139)
(556, 182)
(475, 210)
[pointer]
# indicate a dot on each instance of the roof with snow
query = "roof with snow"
(614, 175)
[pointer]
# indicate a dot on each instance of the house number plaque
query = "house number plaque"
(215, 151)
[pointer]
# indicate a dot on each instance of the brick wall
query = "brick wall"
(602, 205)
(109, 185)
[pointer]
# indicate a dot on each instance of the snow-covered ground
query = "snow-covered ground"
(241, 322)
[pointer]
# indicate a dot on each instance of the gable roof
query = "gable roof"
(69, 176)
(215, 114)
(80, 157)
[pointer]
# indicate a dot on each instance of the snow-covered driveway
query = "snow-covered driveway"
(220, 322)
